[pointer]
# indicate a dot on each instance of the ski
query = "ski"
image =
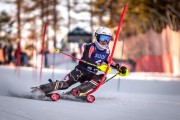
(39, 95)
(56, 97)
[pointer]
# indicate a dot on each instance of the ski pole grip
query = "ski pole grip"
(123, 74)
(57, 51)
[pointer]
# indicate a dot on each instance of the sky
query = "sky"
(7, 7)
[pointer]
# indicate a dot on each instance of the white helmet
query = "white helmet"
(102, 31)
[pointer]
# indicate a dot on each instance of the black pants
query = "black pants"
(78, 74)
(88, 79)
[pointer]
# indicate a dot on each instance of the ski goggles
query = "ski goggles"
(104, 38)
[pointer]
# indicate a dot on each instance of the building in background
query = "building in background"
(76, 38)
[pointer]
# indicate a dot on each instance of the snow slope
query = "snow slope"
(119, 99)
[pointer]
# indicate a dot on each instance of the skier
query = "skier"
(95, 53)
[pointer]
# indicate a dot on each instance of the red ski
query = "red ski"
(56, 97)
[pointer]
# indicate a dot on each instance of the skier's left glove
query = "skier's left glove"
(121, 69)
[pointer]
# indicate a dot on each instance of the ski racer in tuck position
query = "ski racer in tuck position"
(95, 53)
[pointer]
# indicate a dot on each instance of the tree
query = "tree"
(18, 3)
(141, 15)
(5, 25)
(44, 11)
(80, 7)
(18, 14)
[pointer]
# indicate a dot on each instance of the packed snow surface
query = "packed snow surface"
(119, 99)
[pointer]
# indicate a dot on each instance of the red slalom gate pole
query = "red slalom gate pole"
(18, 58)
(43, 44)
(112, 53)
(34, 64)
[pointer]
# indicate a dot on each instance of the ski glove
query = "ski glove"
(121, 69)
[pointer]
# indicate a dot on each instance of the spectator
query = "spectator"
(74, 54)
(9, 52)
(5, 54)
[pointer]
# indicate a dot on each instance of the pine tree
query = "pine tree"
(5, 25)
(141, 15)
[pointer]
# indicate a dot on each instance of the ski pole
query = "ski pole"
(101, 67)
(110, 78)
(58, 51)
(118, 73)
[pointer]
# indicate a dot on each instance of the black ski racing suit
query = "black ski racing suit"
(83, 72)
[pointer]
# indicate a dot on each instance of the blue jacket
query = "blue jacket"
(93, 55)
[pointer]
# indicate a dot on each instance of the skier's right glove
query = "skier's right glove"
(103, 68)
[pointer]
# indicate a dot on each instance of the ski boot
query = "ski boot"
(85, 87)
(51, 86)
(80, 91)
